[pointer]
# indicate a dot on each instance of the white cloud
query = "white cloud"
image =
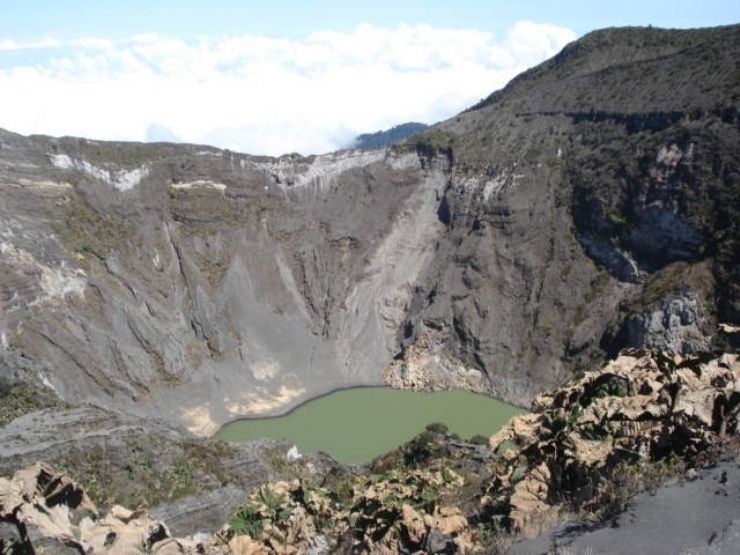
(261, 95)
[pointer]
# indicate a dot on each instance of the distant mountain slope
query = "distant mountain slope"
(389, 136)
(623, 148)
(631, 69)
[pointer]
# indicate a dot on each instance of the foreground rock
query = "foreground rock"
(193, 484)
(44, 506)
(585, 450)
(397, 512)
(637, 410)
(700, 515)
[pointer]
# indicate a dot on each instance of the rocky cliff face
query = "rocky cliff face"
(591, 204)
(198, 285)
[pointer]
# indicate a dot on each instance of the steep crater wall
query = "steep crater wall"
(590, 205)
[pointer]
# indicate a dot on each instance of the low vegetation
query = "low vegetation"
(19, 398)
(146, 471)
(88, 235)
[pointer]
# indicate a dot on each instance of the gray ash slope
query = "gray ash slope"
(591, 204)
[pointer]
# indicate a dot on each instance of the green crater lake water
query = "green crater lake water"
(356, 425)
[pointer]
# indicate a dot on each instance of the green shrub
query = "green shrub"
(479, 439)
(420, 448)
(437, 428)
(246, 522)
(17, 399)
(428, 499)
(271, 500)
(611, 388)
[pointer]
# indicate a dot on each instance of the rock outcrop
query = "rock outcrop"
(585, 449)
(637, 409)
(43, 505)
(193, 484)
(675, 325)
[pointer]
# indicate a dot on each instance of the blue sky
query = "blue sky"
(282, 76)
(33, 19)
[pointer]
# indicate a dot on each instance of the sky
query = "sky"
(283, 76)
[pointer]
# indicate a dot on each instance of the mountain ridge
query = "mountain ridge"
(389, 136)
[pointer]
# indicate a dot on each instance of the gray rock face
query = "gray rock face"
(487, 298)
(201, 513)
(210, 288)
(675, 325)
(660, 236)
(619, 263)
